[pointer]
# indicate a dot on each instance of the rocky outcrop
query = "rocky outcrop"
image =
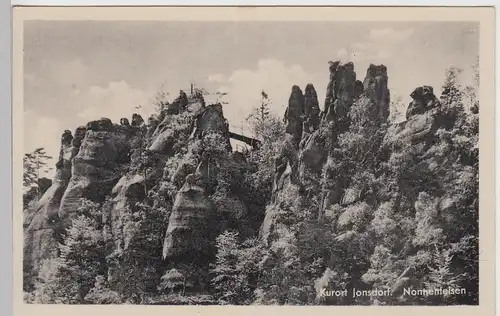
(210, 120)
(182, 160)
(312, 157)
(303, 165)
(189, 234)
(423, 117)
(137, 120)
(124, 121)
(77, 140)
(178, 105)
(358, 89)
(311, 110)
(294, 114)
(191, 225)
(99, 164)
(153, 122)
(43, 185)
(423, 100)
(175, 123)
(375, 88)
(340, 93)
(41, 233)
(345, 79)
(330, 89)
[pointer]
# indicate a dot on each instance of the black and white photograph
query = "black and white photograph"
(251, 162)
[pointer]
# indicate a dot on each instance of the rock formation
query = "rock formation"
(124, 121)
(191, 225)
(98, 165)
(302, 165)
(171, 185)
(294, 114)
(311, 110)
(188, 232)
(340, 93)
(41, 234)
(137, 120)
(375, 86)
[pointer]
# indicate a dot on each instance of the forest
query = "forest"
(353, 191)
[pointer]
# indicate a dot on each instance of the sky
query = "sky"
(77, 71)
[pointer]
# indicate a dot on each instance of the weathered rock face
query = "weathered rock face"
(178, 105)
(40, 235)
(211, 120)
(311, 110)
(294, 113)
(163, 137)
(302, 120)
(77, 140)
(119, 165)
(358, 89)
(345, 79)
(340, 93)
(181, 104)
(423, 100)
(153, 122)
(424, 117)
(188, 235)
(124, 121)
(302, 153)
(98, 165)
(150, 150)
(179, 157)
(330, 89)
(303, 166)
(191, 230)
(375, 88)
(137, 120)
(166, 134)
(43, 185)
(311, 159)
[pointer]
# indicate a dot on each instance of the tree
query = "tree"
(160, 99)
(396, 109)
(101, 294)
(264, 105)
(236, 269)
(35, 164)
(69, 277)
(260, 119)
(471, 91)
(135, 258)
(172, 280)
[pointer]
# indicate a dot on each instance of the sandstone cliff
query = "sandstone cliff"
(360, 188)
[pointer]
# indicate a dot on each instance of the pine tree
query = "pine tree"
(69, 277)
(237, 269)
(35, 164)
(137, 261)
(229, 281)
(264, 106)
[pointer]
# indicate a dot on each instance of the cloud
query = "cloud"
(381, 44)
(244, 88)
(216, 78)
(115, 101)
(390, 34)
(46, 133)
(63, 74)
(342, 52)
(54, 84)
(359, 46)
